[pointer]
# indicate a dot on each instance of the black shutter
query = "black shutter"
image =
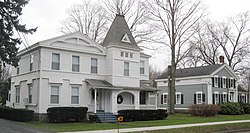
(212, 81)
(221, 98)
(234, 83)
(194, 98)
(175, 99)
(221, 82)
(227, 97)
(213, 99)
(161, 99)
(182, 98)
(203, 97)
(239, 98)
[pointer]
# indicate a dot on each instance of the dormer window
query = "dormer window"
(125, 38)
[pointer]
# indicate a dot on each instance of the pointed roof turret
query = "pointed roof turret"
(119, 35)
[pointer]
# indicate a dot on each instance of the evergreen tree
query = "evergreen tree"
(10, 12)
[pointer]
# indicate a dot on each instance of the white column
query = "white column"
(209, 94)
(95, 100)
(155, 100)
(137, 100)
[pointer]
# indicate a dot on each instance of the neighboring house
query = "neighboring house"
(242, 94)
(210, 84)
(72, 70)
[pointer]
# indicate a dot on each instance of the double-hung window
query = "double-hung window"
(75, 95)
(55, 61)
(165, 98)
(75, 63)
(199, 97)
(54, 96)
(31, 61)
(94, 65)
(178, 97)
(18, 94)
(142, 67)
(216, 97)
(30, 93)
(224, 97)
(126, 68)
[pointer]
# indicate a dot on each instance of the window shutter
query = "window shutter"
(239, 98)
(194, 98)
(212, 81)
(182, 98)
(227, 98)
(234, 83)
(161, 99)
(221, 98)
(175, 99)
(213, 99)
(221, 82)
(203, 97)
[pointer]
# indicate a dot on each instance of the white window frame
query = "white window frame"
(75, 95)
(30, 88)
(199, 98)
(178, 99)
(142, 67)
(31, 62)
(75, 65)
(54, 63)
(231, 96)
(122, 54)
(224, 85)
(56, 85)
(231, 85)
(216, 97)
(224, 97)
(126, 69)
(165, 99)
(17, 94)
(216, 81)
(94, 66)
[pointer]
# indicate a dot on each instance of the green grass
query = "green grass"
(171, 120)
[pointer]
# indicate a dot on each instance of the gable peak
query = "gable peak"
(125, 38)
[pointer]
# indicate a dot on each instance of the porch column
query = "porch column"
(137, 100)
(155, 100)
(209, 94)
(95, 100)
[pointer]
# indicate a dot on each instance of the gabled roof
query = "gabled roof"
(118, 32)
(193, 71)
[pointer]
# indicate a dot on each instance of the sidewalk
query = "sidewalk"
(159, 127)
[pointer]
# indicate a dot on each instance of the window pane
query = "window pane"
(75, 91)
(94, 66)
(54, 90)
(55, 61)
(54, 99)
(55, 57)
(74, 99)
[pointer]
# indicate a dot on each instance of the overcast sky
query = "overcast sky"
(47, 15)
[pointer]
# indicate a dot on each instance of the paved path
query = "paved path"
(7, 126)
(160, 127)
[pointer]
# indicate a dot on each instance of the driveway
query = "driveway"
(7, 126)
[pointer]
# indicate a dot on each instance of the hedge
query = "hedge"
(142, 115)
(23, 115)
(230, 108)
(246, 107)
(66, 114)
(204, 110)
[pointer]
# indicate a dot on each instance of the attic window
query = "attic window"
(125, 38)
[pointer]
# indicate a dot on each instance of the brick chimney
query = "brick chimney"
(221, 59)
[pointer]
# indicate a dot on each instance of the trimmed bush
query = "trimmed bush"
(23, 115)
(230, 108)
(204, 110)
(246, 107)
(142, 115)
(66, 114)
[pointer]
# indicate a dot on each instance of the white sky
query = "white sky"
(47, 15)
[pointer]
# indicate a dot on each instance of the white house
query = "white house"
(73, 70)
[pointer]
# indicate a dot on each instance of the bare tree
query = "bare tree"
(175, 19)
(88, 18)
(153, 74)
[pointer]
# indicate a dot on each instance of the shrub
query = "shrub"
(230, 108)
(141, 115)
(246, 107)
(204, 110)
(66, 114)
(23, 115)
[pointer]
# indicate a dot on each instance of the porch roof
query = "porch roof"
(103, 84)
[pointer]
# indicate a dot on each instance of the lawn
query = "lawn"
(171, 120)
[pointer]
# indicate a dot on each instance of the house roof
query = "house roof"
(241, 89)
(103, 84)
(193, 71)
(117, 32)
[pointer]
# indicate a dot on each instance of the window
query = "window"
(31, 62)
(18, 69)
(224, 97)
(223, 82)
(75, 95)
(122, 54)
(54, 97)
(216, 81)
(94, 65)
(231, 98)
(178, 98)
(216, 99)
(75, 63)
(165, 98)
(131, 55)
(142, 63)
(55, 61)
(9, 96)
(143, 97)
(126, 68)
(30, 94)
(199, 98)
(18, 94)
(126, 54)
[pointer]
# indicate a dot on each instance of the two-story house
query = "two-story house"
(72, 70)
(210, 84)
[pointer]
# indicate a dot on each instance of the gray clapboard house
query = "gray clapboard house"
(210, 84)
